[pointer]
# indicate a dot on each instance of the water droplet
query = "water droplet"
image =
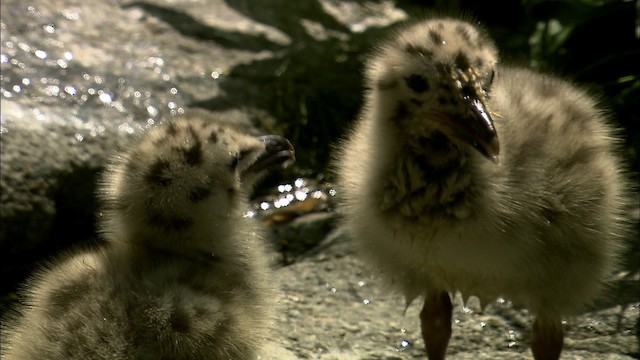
(40, 54)
(26, 81)
(24, 47)
(62, 63)
(250, 214)
(97, 79)
(68, 56)
(152, 110)
(264, 205)
(79, 137)
(174, 90)
(166, 77)
(125, 127)
(155, 60)
(16, 88)
(299, 182)
(105, 98)
(482, 324)
(216, 74)
(334, 290)
(49, 28)
(70, 90)
(52, 90)
(4, 59)
(301, 195)
(332, 192)
(362, 283)
(366, 301)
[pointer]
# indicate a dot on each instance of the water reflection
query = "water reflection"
(41, 72)
(290, 200)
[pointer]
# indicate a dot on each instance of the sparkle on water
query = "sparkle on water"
(303, 195)
(404, 344)
(39, 70)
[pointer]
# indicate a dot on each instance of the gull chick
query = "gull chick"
(183, 275)
(463, 175)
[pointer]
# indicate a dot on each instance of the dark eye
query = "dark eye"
(417, 83)
(487, 85)
(239, 157)
(234, 162)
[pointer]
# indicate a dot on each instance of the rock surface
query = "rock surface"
(81, 79)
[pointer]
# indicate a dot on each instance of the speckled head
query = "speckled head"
(437, 75)
(187, 174)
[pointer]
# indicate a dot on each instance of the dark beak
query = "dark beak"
(278, 152)
(475, 127)
(479, 129)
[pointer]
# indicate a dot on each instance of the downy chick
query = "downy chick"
(464, 175)
(184, 274)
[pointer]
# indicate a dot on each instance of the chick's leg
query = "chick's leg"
(435, 320)
(546, 343)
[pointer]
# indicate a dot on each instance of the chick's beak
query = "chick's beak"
(253, 165)
(278, 152)
(474, 127)
(478, 129)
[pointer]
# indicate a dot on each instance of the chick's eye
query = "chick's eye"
(489, 81)
(238, 156)
(234, 161)
(417, 83)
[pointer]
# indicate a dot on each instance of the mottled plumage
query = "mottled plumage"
(464, 175)
(183, 274)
